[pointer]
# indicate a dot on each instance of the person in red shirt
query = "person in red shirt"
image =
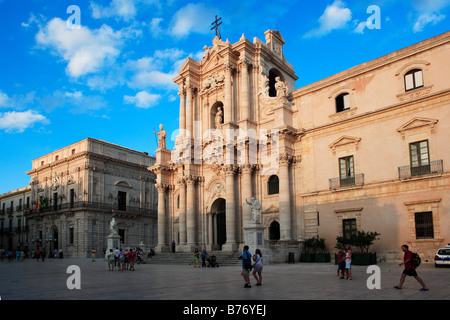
(410, 269)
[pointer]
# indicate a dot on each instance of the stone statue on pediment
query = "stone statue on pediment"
(162, 137)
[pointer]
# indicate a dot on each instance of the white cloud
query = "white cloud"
(86, 51)
(155, 28)
(360, 27)
(157, 71)
(335, 16)
(155, 79)
(20, 121)
(143, 99)
(120, 9)
(425, 19)
(4, 99)
(191, 18)
(428, 12)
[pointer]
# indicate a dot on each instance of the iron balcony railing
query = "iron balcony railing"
(434, 167)
(93, 205)
(352, 181)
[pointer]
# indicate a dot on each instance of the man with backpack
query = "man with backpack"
(410, 269)
(246, 258)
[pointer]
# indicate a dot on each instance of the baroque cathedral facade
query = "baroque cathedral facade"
(362, 150)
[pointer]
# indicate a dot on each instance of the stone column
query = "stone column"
(284, 197)
(190, 211)
(245, 101)
(189, 111)
(246, 193)
(228, 105)
(230, 207)
(182, 95)
(162, 226)
(182, 212)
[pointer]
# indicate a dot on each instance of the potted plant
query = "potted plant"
(314, 251)
(362, 240)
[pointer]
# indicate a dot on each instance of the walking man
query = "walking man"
(410, 269)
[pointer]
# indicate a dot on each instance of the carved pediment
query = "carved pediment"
(189, 65)
(345, 141)
(123, 184)
(417, 124)
(270, 209)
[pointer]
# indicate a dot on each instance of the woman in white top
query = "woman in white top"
(258, 266)
(348, 262)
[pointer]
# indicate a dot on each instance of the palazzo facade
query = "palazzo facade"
(80, 188)
(364, 149)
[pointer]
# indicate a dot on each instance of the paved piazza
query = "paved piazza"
(37, 280)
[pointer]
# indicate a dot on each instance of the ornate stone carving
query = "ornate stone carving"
(213, 82)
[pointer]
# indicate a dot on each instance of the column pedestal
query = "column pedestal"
(254, 239)
(113, 241)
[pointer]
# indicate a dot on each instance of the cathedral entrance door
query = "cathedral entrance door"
(219, 222)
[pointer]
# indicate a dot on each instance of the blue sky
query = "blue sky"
(111, 78)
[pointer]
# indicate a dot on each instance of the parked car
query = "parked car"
(442, 256)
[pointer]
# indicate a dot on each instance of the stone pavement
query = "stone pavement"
(36, 280)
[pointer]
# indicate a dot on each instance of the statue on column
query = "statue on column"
(162, 137)
(113, 226)
(255, 205)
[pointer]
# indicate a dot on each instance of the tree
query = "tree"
(361, 239)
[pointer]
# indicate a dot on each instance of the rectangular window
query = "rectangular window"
(424, 225)
(348, 227)
(346, 171)
(122, 200)
(122, 235)
(71, 235)
(55, 201)
(71, 198)
(420, 159)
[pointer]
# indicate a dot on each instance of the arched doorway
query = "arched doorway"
(219, 232)
(274, 231)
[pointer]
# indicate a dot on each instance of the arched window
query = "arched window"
(273, 185)
(342, 102)
(273, 74)
(217, 115)
(413, 79)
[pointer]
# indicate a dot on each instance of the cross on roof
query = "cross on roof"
(216, 25)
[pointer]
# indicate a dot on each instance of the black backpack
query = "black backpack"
(415, 259)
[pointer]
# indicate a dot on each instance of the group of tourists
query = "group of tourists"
(124, 259)
(38, 254)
